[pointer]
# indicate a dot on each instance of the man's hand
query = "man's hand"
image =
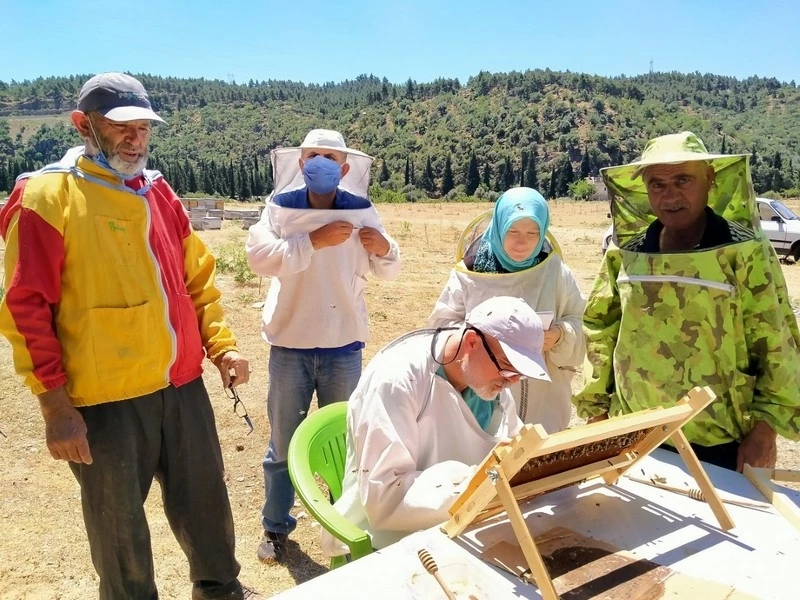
(373, 241)
(232, 361)
(65, 429)
(597, 418)
(759, 448)
(551, 337)
(331, 234)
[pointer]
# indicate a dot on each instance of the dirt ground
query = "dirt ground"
(44, 554)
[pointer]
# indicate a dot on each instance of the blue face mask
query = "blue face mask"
(322, 175)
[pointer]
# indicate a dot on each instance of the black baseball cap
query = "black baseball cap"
(118, 97)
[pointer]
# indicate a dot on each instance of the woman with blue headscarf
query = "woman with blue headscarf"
(516, 255)
(515, 237)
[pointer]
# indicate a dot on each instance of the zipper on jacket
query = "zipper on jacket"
(172, 335)
(717, 285)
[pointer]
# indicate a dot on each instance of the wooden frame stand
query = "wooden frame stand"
(535, 462)
(763, 478)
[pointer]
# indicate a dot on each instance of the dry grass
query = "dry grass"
(44, 550)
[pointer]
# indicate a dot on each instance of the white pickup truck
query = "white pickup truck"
(780, 224)
(782, 227)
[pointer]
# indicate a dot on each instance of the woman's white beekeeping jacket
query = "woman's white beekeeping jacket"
(547, 287)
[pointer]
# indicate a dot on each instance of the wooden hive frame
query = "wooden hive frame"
(605, 449)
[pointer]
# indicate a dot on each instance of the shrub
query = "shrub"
(231, 258)
(581, 190)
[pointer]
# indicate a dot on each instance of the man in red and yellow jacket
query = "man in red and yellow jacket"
(110, 309)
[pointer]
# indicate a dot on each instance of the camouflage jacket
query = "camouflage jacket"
(659, 324)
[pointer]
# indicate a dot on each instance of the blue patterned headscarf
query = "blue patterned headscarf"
(515, 204)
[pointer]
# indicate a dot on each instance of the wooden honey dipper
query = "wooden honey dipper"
(694, 493)
(432, 568)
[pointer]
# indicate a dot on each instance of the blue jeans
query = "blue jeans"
(293, 378)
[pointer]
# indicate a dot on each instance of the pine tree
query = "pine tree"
(723, 149)
(447, 176)
(407, 177)
(523, 165)
(473, 178)
(487, 176)
(231, 182)
(551, 193)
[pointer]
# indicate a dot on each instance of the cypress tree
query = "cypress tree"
(565, 177)
(531, 180)
(586, 166)
(473, 178)
(487, 176)
(244, 182)
(448, 182)
(427, 182)
(384, 173)
(508, 179)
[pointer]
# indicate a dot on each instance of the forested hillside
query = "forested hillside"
(541, 128)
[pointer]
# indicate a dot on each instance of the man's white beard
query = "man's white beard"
(120, 166)
(127, 168)
(487, 391)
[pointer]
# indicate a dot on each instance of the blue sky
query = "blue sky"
(315, 41)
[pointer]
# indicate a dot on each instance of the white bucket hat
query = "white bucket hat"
(328, 139)
(286, 169)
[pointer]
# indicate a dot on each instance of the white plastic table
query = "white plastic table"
(759, 557)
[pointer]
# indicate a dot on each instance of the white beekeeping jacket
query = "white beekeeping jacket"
(548, 287)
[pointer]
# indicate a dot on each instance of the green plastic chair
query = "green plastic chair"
(318, 448)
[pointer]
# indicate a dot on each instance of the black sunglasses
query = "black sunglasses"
(507, 374)
(238, 406)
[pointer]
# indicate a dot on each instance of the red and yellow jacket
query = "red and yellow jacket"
(108, 289)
